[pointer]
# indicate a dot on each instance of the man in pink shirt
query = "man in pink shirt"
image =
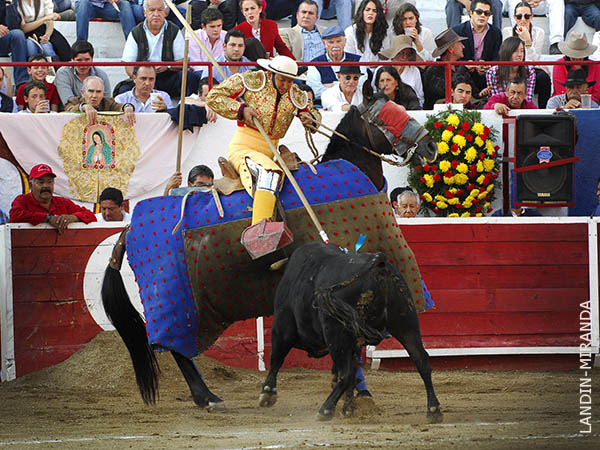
(212, 36)
(513, 98)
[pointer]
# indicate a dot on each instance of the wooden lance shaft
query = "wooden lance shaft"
(183, 91)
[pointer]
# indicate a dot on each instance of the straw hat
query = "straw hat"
(399, 43)
(444, 40)
(576, 45)
(282, 65)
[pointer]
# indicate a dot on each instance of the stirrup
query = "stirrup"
(266, 237)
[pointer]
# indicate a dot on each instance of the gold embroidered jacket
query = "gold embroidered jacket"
(256, 90)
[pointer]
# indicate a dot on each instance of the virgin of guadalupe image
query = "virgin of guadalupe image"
(99, 151)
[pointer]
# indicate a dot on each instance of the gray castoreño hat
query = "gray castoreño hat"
(444, 40)
(399, 43)
(576, 45)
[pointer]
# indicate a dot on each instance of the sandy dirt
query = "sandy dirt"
(91, 401)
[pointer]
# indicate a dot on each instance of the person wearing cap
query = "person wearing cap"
(515, 97)
(323, 77)
(41, 205)
(576, 48)
(200, 176)
(403, 50)
(111, 207)
(304, 39)
(345, 93)
(449, 48)
(575, 85)
(271, 97)
(482, 43)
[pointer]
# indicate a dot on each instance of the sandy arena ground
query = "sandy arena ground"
(90, 401)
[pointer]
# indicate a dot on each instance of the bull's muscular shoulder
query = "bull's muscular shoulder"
(254, 80)
(298, 97)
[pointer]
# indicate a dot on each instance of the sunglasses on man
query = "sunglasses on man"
(481, 12)
(351, 77)
(520, 16)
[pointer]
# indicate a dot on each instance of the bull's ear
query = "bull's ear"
(367, 88)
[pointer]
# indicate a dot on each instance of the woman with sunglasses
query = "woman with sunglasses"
(533, 37)
(369, 32)
(406, 21)
(388, 81)
(498, 77)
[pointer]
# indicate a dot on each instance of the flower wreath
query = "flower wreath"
(460, 183)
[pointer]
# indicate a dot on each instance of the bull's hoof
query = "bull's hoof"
(325, 414)
(215, 406)
(267, 397)
(434, 415)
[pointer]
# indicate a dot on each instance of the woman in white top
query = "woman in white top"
(38, 20)
(406, 21)
(533, 37)
(368, 34)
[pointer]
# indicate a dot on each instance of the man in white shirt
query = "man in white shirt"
(141, 96)
(111, 207)
(345, 93)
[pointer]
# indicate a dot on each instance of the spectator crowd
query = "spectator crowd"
(246, 30)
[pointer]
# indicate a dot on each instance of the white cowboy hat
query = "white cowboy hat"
(283, 65)
(576, 45)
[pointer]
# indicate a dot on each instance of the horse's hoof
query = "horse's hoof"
(214, 406)
(267, 399)
(324, 415)
(434, 415)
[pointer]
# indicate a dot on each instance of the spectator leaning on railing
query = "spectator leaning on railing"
(39, 73)
(111, 207)
(576, 85)
(143, 97)
(513, 98)
(345, 93)
(34, 94)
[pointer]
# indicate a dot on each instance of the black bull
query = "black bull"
(332, 302)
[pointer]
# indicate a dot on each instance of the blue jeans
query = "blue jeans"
(454, 11)
(590, 14)
(14, 43)
(62, 5)
(33, 49)
(340, 8)
(84, 12)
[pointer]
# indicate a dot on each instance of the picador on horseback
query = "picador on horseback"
(274, 100)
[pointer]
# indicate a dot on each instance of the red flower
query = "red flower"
(475, 201)
(437, 177)
(489, 210)
(448, 194)
(460, 192)
(438, 124)
(426, 167)
(458, 206)
(454, 164)
(481, 156)
(433, 168)
(486, 130)
(461, 133)
(112, 166)
(450, 128)
(417, 167)
(497, 147)
(470, 187)
(436, 210)
(422, 179)
(454, 147)
(448, 174)
(469, 137)
(465, 126)
(478, 209)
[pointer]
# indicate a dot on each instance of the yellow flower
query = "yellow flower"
(427, 196)
(479, 166)
(460, 178)
(483, 195)
(479, 142)
(440, 198)
(490, 151)
(453, 120)
(445, 165)
(467, 203)
(442, 148)
(477, 127)
(462, 168)
(448, 180)
(479, 215)
(459, 140)
(441, 205)
(428, 180)
(470, 155)
(453, 201)
(447, 135)
(465, 214)
(474, 193)
(489, 145)
(453, 215)
(480, 179)
(453, 190)
(490, 187)
(488, 164)
(486, 205)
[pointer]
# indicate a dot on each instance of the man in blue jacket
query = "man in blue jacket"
(13, 41)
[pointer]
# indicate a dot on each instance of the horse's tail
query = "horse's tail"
(344, 313)
(129, 324)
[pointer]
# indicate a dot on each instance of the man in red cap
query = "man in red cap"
(40, 205)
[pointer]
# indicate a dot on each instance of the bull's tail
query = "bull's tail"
(130, 325)
(344, 313)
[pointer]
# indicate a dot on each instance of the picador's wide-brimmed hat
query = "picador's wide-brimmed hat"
(399, 43)
(576, 45)
(576, 77)
(282, 65)
(444, 40)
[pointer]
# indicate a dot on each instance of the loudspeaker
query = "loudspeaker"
(546, 141)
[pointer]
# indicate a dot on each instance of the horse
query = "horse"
(194, 284)
(331, 301)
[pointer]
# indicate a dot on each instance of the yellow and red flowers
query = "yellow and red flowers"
(461, 182)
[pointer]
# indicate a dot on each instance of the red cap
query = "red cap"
(40, 170)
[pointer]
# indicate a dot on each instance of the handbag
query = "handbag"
(13, 16)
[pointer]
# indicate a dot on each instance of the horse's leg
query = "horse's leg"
(406, 330)
(202, 396)
(359, 384)
(281, 340)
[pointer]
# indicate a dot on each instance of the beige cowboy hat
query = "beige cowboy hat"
(444, 40)
(576, 45)
(283, 65)
(399, 43)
